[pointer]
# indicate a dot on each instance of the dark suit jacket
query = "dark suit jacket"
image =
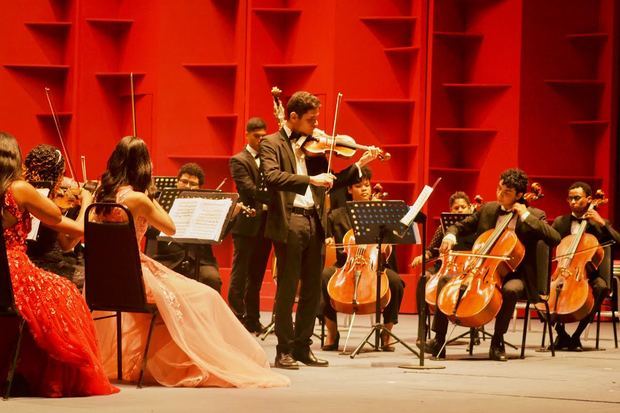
(529, 232)
(603, 233)
(339, 223)
(281, 178)
(245, 173)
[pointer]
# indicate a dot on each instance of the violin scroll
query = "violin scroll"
(278, 109)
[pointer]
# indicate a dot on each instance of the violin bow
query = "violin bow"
(583, 251)
(83, 164)
(333, 142)
(62, 141)
(133, 105)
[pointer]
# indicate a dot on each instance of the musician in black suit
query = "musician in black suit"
(179, 257)
(338, 224)
(251, 248)
(579, 198)
(530, 226)
(295, 224)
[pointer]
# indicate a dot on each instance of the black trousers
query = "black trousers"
(300, 261)
(512, 290)
(390, 312)
(250, 258)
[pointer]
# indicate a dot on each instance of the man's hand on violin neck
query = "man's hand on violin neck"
(325, 179)
(369, 156)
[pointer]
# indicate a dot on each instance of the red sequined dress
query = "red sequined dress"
(59, 355)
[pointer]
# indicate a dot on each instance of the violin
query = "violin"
(473, 297)
(353, 288)
(344, 146)
(570, 296)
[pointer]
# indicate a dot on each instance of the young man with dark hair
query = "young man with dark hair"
(530, 227)
(190, 176)
(177, 256)
(579, 199)
(251, 248)
(295, 224)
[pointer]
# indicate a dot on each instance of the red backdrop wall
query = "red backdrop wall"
(453, 89)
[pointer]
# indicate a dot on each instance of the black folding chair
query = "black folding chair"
(543, 268)
(8, 309)
(113, 276)
(605, 271)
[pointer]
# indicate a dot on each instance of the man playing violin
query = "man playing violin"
(295, 224)
(530, 226)
(338, 223)
(579, 199)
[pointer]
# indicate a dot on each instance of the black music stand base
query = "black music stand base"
(376, 330)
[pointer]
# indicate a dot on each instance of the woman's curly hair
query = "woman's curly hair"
(44, 163)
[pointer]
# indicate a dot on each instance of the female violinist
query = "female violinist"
(338, 225)
(59, 354)
(53, 250)
(579, 199)
(529, 226)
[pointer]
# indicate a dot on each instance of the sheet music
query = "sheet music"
(209, 218)
(415, 209)
(199, 218)
(35, 222)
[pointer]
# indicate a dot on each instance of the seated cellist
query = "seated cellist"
(338, 224)
(459, 203)
(579, 198)
(530, 226)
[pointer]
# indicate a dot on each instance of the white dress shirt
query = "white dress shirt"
(301, 201)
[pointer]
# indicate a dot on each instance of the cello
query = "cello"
(473, 298)
(353, 287)
(450, 264)
(570, 295)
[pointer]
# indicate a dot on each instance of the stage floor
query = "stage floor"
(587, 381)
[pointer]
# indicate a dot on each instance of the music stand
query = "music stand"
(168, 196)
(374, 223)
(162, 182)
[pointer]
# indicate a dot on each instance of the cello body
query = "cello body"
(474, 297)
(353, 288)
(570, 295)
(450, 264)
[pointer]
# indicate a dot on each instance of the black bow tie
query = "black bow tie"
(294, 136)
(504, 212)
(256, 156)
(574, 218)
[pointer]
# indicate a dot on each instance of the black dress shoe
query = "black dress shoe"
(334, 345)
(435, 347)
(497, 351)
(255, 328)
(562, 341)
(309, 359)
(575, 344)
(286, 361)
